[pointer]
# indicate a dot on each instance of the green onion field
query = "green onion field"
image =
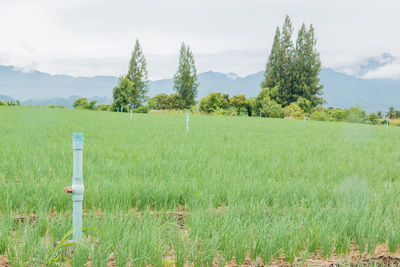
(232, 186)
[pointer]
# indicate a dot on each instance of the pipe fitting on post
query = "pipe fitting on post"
(77, 191)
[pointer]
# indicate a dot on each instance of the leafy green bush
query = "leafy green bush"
(81, 103)
(293, 110)
(158, 102)
(214, 102)
(355, 114)
(56, 106)
(271, 109)
(383, 122)
(320, 116)
(238, 102)
(251, 106)
(231, 112)
(175, 101)
(3, 103)
(104, 107)
(142, 109)
(339, 114)
(243, 111)
(372, 118)
(304, 104)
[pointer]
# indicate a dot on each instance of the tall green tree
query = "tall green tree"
(307, 66)
(294, 70)
(185, 79)
(273, 69)
(138, 75)
(278, 71)
(286, 54)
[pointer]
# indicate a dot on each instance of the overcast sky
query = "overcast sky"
(96, 37)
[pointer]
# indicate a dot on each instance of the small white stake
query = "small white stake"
(304, 118)
(131, 114)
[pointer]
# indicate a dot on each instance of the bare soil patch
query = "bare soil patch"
(4, 262)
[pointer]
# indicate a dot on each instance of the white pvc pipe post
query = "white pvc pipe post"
(131, 113)
(77, 186)
(304, 118)
(387, 123)
(122, 108)
(187, 120)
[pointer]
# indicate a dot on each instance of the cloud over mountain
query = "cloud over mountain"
(384, 66)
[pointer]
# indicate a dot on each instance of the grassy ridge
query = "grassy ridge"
(265, 186)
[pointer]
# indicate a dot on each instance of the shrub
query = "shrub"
(293, 110)
(251, 106)
(304, 104)
(372, 118)
(56, 106)
(92, 104)
(320, 116)
(81, 103)
(174, 101)
(158, 102)
(104, 107)
(214, 102)
(383, 122)
(142, 109)
(355, 114)
(243, 111)
(339, 114)
(238, 102)
(3, 103)
(271, 109)
(230, 112)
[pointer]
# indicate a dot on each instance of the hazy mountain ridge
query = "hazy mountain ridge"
(37, 85)
(340, 90)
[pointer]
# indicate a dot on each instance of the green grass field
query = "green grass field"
(231, 185)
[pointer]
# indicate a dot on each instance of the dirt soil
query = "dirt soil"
(381, 257)
(4, 262)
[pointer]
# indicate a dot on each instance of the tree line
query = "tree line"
(291, 76)
(132, 89)
(290, 87)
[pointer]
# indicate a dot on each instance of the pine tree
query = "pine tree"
(185, 79)
(286, 53)
(138, 75)
(273, 68)
(294, 70)
(307, 66)
(279, 67)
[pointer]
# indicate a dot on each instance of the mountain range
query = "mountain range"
(340, 90)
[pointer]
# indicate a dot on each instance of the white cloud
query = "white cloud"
(95, 37)
(390, 71)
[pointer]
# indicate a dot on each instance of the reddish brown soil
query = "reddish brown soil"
(4, 262)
